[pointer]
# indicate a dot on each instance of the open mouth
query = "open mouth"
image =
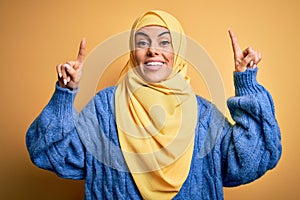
(155, 65)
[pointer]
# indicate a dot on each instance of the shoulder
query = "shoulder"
(204, 106)
(106, 94)
(105, 99)
(109, 91)
(207, 112)
(203, 102)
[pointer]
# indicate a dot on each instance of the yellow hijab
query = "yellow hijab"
(156, 121)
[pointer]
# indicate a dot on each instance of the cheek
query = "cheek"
(170, 57)
(139, 56)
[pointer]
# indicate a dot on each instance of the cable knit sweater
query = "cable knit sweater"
(224, 154)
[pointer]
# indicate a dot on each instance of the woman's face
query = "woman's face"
(154, 53)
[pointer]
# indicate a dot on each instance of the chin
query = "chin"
(154, 76)
(152, 79)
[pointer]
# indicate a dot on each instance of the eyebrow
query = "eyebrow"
(166, 32)
(144, 34)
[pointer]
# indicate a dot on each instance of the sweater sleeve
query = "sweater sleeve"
(252, 145)
(52, 140)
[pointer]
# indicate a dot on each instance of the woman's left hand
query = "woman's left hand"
(248, 58)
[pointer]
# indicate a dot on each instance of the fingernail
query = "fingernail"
(67, 66)
(65, 81)
(254, 66)
(60, 75)
(251, 63)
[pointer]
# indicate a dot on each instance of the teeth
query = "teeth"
(154, 63)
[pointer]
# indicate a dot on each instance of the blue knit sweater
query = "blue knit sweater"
(224, 154)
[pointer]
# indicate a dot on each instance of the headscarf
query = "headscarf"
(156, 121)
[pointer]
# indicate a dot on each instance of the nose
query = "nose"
(152, 51)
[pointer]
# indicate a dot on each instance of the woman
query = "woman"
(151, 137)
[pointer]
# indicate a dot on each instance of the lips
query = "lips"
(154, 65)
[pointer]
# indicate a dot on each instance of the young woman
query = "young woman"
(145, 137)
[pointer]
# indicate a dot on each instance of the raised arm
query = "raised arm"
(252, 145)
(52, 140)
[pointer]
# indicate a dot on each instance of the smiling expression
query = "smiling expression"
(154, 53)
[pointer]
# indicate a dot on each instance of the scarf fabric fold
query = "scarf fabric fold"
(156, 121)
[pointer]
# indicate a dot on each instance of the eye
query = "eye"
(165, 43)
(142, 44)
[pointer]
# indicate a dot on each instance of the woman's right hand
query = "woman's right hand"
(69, 73)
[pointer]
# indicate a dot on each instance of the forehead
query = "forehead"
(153, 31)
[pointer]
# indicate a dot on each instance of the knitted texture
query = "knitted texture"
(224, 154)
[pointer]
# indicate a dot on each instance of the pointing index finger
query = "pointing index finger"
(235, 44)
(81, 53)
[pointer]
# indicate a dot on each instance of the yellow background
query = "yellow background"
(37, 35)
